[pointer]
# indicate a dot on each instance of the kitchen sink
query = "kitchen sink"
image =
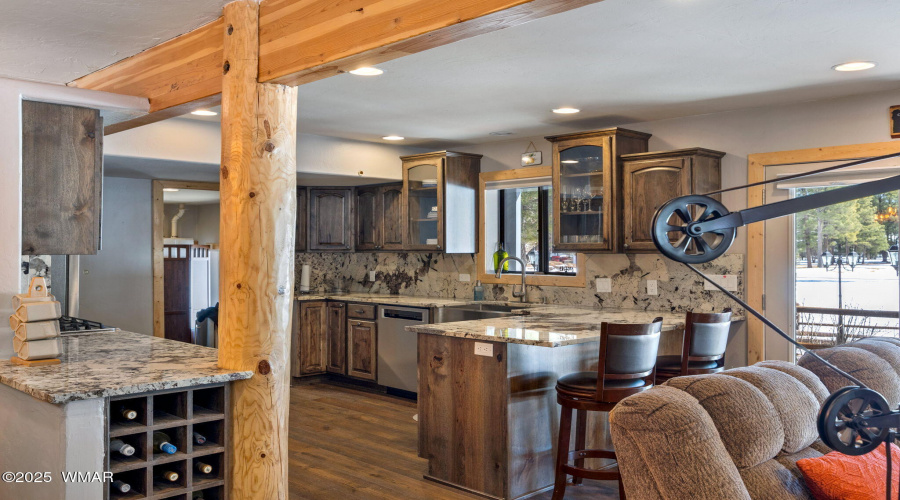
(475, 311)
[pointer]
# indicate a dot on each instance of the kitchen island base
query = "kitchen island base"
(488, 424)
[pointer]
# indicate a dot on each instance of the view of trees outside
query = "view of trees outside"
(531, 234)
(867, 293)
(867, 225)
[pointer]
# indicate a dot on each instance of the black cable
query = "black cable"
(773, 327)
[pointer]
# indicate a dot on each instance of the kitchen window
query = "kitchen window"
(525, 231)
(517, 214)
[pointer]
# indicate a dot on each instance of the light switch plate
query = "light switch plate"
(652, 287)
(727, 281)
(371, 275)
(465, 278)
(484, 349)
(604, 285)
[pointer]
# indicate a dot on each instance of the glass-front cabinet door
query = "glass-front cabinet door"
(582, 183)
(424, 205)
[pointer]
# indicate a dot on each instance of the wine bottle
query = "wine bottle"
(121, 486)
(161, 443)
(121, 447)
(499, 255)
(199, 438)
(128, 413)
(170, 476)
(204, 468)
(197, 495)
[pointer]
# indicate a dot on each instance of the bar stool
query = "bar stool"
(626, 366)
(703, 347)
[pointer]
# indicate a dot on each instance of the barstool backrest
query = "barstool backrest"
(627, 359)
(705, 338)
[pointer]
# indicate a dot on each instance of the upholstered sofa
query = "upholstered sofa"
(738, 434)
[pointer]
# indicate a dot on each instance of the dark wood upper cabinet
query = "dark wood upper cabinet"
(378, 217)
(302, 220)
(392, 217)
(337, 338)
(587, 187)
(651, 179)
(368, 218)
(431, 183)
(62, 179)
(330, 219)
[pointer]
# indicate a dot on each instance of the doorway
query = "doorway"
(185, 261)
(800, 271)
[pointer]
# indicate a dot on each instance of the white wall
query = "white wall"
(117, 284)
(11, 94)
(181, 148)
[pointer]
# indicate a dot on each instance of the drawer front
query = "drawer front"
(361, 311)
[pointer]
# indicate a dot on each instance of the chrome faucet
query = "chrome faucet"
(521, 294)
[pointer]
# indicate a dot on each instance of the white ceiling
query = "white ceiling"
(619, 61)
(57, 41)
(191, 196)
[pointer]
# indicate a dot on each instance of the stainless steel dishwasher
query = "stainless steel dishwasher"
(397, 347)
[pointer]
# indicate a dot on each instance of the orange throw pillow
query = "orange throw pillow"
(836, 476)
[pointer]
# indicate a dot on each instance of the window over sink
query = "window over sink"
(517, 215)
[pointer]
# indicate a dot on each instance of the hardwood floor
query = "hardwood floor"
(347, 444)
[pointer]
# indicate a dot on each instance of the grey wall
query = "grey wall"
(200, 222)
(118, 287)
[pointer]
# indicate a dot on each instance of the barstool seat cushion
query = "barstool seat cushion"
(586, 382)
(673, 363)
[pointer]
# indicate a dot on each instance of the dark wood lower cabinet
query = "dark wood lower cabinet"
(310, 337)
(337, 338)
(362, 341)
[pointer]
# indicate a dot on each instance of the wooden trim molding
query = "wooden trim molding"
(159, 222)
(514, 279)
(756, 233)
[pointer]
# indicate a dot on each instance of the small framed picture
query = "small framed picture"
(531, 159)
(895, 122)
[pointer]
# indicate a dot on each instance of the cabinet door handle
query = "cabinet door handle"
(358, 311)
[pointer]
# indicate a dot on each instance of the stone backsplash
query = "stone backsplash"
(437, 275)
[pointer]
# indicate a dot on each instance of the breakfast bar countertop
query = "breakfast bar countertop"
(383, 298)
(551, 326)
(102, 364)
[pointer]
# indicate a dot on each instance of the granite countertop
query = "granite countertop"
(550, 326)
(97, 365)
(382, 298)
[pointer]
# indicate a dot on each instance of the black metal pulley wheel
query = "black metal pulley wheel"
(676, 234)
(842, 420)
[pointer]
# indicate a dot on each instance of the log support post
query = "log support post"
(258, 211)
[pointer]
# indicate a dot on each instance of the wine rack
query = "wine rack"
(178, 413)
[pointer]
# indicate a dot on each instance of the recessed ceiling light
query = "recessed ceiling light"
(569, 161)
(204, 112)
(566, 111)
(393, 138)
(366, 71)
(170, 190)
(854, 66)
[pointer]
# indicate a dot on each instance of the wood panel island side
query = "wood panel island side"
(488, 421)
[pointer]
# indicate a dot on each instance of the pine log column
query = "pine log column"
(258, 211)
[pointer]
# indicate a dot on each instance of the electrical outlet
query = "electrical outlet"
(652, 287)
(726, 281)
(604, 285)
(484, 349)
(465, 278)
(371, 275)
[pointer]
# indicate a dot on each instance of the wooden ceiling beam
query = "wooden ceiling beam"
(177, 76)
(306, 40)
(301, 41)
